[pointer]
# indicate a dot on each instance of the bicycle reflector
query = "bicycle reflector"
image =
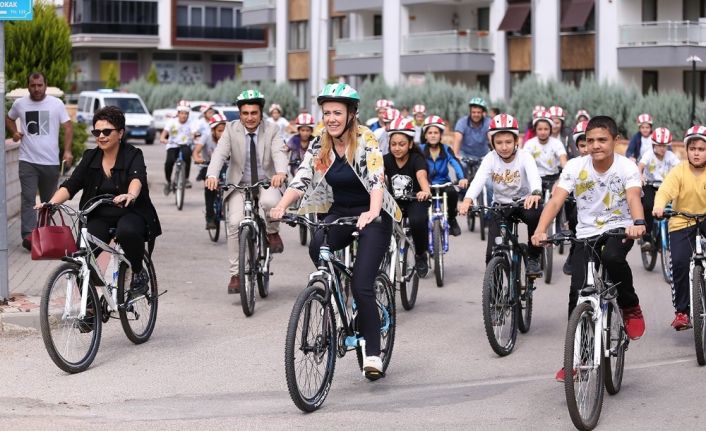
(498, 240)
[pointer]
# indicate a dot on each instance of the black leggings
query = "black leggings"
(418, 215)
(530, 217)
(648, 202)
(172, 156)
(681, 244)
(451, 201)
(373, 242)
(130, 233)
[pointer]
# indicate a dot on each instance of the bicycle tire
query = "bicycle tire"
(482, 222)
(666, 259)
(322, 350)
(616, 338)
(649, 258)
(52, 308)
(180, 186)
(471, 221)
(263, 271)
(499, 307)
(409, 283)
(247, 267)
(580, 322)
(558, 223)
(148, 302)
(385, 300)
(438, 254)
(548, 260)
(698, 304)
(525, 294)
(215, 232)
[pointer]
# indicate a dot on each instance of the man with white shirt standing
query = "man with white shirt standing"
(41, 116)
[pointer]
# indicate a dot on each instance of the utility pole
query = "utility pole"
(693, 59)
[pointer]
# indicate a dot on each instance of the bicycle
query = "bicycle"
(218, 210)
(72, 311)
(472, 164)
(596, 341)
(254, 251)
(547, 261)
(400, 262)
(697, 285)
(660, 238)
(438, 229)
(507, 288)
(322, 326)
(178, 185)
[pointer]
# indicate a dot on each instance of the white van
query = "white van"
(138, 121)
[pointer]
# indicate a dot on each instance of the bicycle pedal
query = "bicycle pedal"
(373, 375)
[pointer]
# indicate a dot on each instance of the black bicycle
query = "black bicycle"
(471, 165)
(400, 263)
(218, 207)
(556, 226)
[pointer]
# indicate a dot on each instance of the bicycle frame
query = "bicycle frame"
(253, 219)
(438, 210)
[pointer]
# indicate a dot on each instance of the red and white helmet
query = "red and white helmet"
(183, 106)
(419, 109)
(695, 132)
(382, 104)
(504, 123)
(433, 121)
(305, 120)
(273, 107)
(542, 116)
(217, 119)
(582, 113)
(401, 125)
(538, 108)
(205, 107)
(661, 136)
(580, 130)
(390, 114)
(558, 112)
(644, 118)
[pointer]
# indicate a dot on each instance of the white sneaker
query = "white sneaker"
(372, 364)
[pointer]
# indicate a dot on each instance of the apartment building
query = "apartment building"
(188, 41)
(487, 42)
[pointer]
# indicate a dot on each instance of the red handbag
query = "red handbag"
(49, 240)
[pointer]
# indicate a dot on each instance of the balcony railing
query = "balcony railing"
(258, 4)
(365, 47)
(446, 41)
(240, 33)
(259, 57)
(113, 28)
(663, 33)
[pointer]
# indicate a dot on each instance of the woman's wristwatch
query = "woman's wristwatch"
(639, 222)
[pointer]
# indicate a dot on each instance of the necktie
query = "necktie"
(253, 160)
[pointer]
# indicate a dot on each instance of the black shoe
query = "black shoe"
(533, 266)
(567, 266)
(140, 283)
(422, 265)
(211, 223)
(27, 243)
(454, 228)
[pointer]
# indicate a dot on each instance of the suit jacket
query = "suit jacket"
(271, 151)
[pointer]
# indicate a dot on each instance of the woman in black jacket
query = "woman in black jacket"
(117, 168)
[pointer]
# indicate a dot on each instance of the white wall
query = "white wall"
(669, 10)
(279, 39)
(499, 79)
(629, 11)
(545, 40)
(431, 17)
(392, 42)
(164, 18)
(607, 22)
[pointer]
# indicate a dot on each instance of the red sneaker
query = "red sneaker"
(634, 322)
(681, 321)
(560, 375)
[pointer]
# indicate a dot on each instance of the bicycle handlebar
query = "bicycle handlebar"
(566, 235)
(265, 184)
(441, 186)
(671, 213)
(295, 219)
(519, 203)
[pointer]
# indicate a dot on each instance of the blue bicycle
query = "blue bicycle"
(660, 238)
(438, 229)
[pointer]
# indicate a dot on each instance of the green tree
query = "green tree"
(42, 45)
(112, 81)
(152, 77)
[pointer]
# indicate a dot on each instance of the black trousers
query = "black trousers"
(648, 202)
(418, 215)
(172, 156)
(613, 256)
(681, 245)
(130, 233)
(451, 201)
(572, 217)
(530, 217)
(373, 242)
(209, 195)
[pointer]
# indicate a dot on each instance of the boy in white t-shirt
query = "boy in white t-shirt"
(607, 187)
(178, 136)
(548, 152)
(514, 176)
(654, 167)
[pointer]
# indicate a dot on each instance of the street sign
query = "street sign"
(16, 10)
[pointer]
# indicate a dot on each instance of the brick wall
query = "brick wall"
(12, 177)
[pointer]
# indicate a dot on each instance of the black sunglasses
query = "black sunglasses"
(105, 132)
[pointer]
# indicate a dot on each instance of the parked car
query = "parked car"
(138, 121)
(161, 116)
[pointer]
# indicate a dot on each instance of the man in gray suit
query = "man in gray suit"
(257, 152)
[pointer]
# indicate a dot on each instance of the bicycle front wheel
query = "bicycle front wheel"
(72, 342)
(385, 299)
(583, 376)
(438, 254)
(303, 231)
(247, 265)
(409, 279)
(525, 293)
(666, 258)
(499, 307)
(698, 304)
(616, 339)
(263, 268)
(138, 314)
(482, 222)
(649, 258)
(310, 348)
(180, 186)
(215, 232)
(548, 257)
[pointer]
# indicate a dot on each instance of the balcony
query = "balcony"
(115, 28)
(441, 51)
(258, 64)
(258, 12)
(102, 35)
(660, 43)
(358, 56)
(344, 6)
(223, 33)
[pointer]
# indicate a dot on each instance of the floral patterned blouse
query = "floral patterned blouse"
(368, 167)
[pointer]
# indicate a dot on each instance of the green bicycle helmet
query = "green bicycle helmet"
(479, 102)
(250, 97)
(339, 92)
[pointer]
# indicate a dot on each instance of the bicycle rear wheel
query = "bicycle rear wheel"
(616, 340)
(698, 304)
(72, 343)
(247, 266)
(666, 257)
(438, 254)
(215, 232)
(499, 307)
(180, 186)
(409, 279)
(310, 348)
(583, 378)
(385, 298)
(548, 257)
(263, 267)
(138, 315)
(525, 293)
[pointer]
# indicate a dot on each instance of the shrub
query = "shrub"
(78, 145)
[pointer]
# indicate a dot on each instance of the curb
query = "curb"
(11, 326)
(20, 314)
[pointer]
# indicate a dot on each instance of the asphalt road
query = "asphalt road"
(209, 367)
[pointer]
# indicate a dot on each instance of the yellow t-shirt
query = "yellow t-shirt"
(686, 191)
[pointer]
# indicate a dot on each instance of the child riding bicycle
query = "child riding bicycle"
(202, 155)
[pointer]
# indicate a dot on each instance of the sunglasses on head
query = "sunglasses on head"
(104, 132)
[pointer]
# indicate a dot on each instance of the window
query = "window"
(226, 17)
(301, 89)
(182, 16)
(108, 55)
(128, 56)
(223, 58)
(700, 83)
(649, 10)
(164, 56)
(298, 35)
(483, 19)
(338, 29)
(694, 9)
(483, 81)
(377, 25)
(196, 16)
(650, 81)
(189, 56)
(128, 105)
(211, 17)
